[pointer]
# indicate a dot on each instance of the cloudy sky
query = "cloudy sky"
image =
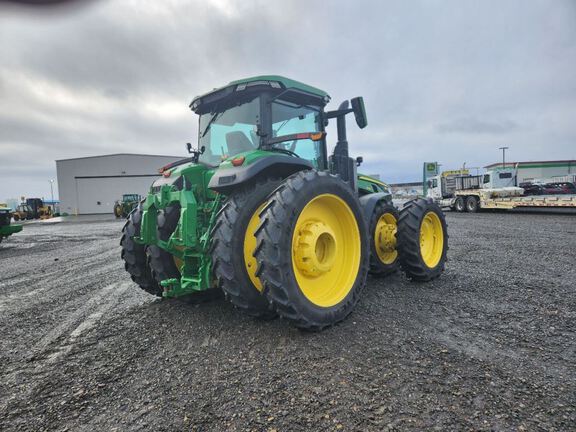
(442, 80)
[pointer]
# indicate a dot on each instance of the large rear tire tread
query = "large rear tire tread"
(409, 223)
(134, 254)
(228, 249)
(377, 267)
(162, 263)
(273, 252)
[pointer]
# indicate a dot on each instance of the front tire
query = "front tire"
(134, 255)
(118, 211)
(312, 250)
(422, 240)
(233, 247)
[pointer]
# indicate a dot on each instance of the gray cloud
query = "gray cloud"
(477, 126)
(443, 80)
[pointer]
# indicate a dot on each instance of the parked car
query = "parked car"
(532, 189)
(562, 187)
(550, 189)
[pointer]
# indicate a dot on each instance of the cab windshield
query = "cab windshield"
(228, 131)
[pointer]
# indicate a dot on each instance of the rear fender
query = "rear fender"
(368, 203)
(225, 180)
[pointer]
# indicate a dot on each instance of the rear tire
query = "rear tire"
(235, 271)
(313, 251)
(459, 205)
(472, 204)
(134, 255)
(382, 230)
(422, 240)
(164, 265)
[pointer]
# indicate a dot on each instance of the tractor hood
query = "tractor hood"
(184, 174)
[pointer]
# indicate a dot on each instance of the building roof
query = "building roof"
(122, 154)
(536, 164)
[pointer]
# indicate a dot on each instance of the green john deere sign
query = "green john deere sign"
(430, 170)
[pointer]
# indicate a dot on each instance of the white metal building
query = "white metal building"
(540, 170)
(90, 185)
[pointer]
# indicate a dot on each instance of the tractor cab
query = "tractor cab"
(262, 113)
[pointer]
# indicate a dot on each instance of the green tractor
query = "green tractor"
(6, 229)
(263, 213)
(124, 207)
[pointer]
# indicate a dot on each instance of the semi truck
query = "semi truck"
(495, 189)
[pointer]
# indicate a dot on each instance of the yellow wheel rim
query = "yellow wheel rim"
(249, 246)
(431, 239)
(385, 238)
(326, 249)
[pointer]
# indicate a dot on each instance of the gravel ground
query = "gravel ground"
(488, 346)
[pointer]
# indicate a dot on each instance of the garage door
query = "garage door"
(98, 194)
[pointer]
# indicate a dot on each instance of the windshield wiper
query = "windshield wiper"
(281, 126)
(212, 120)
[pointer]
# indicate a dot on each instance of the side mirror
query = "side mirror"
(359, 161)
(359, 111)
(189, 147)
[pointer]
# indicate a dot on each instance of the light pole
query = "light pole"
(503, 156)
(52, 191)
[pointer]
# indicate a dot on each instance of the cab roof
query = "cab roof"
(274, 81)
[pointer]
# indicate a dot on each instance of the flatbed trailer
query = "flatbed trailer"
(493, 190)
(477, 199)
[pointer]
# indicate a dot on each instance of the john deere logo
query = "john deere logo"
(431, 167)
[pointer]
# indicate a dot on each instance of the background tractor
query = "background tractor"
(129, 202)
(39, 209)
(6, 229)
(32, 208)
(23, 212)
(262, 212)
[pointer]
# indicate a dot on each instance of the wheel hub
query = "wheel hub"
(315, 249)
(386, 237)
